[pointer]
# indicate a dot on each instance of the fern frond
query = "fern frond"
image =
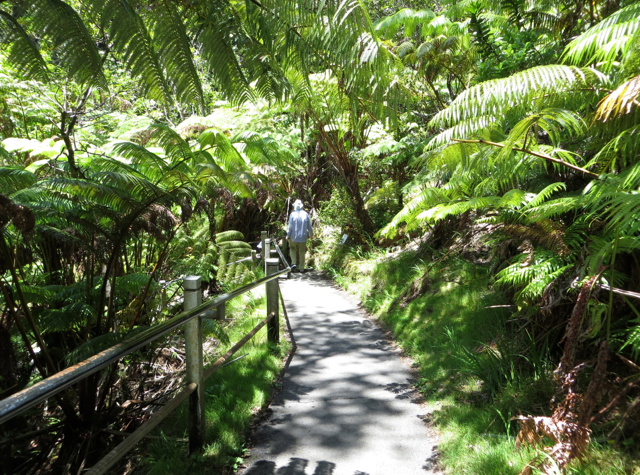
(66, 318)
(229, 236)
(426, 199)
(132, 40)
(532, 278)
(621, 101)
(619, 152)
(37, 295)
(216, 30)
(545, 232)
(544, 195)
(94, 192)
(470, 126)
(387, 27)
(525, 89)
(174, 50)
(607, 40)
(13, 179)
(441, 211)
(177, 149)
(535, 289)
(633, 339)
(223, 150)
(142, 160)
(61, 24)
(602, 249)
(24, 54)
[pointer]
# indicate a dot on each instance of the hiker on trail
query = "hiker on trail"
(297, 234)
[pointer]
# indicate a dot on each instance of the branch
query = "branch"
(535, 154)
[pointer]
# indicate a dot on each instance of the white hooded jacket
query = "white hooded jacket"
(299, 224)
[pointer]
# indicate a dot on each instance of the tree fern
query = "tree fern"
(227, 236)
(633, 339)
(530, 279)
(427, 198)
(619, 153)
(215, 29)
(553, 208)
(404, 18)
(70, 317)
(233, 249)
(37, 295)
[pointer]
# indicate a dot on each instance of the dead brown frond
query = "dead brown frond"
(155, 220)
(545, 232)
(527, 248)
(569, 439)
(22, 217)
(621, 101)
(568, 427)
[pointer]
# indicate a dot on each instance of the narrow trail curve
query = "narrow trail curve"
(347, 405)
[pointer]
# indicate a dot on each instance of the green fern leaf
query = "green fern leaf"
(23, 51)
(61, 24)
(174, 50)
(215, 29)
(228, 236)
(607, 40)
(132, 40)
(496, 98)
(13, 179)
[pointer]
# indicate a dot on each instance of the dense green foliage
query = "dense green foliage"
(142, 141)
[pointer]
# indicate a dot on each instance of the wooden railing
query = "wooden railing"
(191, 318)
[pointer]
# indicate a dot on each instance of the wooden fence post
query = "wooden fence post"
(193, 351)
(273, 327)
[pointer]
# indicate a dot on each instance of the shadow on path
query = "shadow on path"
(297, 466)
(346, 397)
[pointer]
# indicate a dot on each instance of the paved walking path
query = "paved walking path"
(347, 406)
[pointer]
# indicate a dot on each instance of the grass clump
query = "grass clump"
(234, 395)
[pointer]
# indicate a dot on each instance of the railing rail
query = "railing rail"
(39, 392)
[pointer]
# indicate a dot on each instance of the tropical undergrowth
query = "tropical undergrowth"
(478, 364)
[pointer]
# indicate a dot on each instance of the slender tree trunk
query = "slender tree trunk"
(353, 185)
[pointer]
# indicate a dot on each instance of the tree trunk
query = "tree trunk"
(350, 174)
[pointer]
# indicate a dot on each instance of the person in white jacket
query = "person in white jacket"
(297, 234)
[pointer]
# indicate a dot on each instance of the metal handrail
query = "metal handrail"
(22, 400)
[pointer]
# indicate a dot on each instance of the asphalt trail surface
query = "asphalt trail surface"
(347, 404)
